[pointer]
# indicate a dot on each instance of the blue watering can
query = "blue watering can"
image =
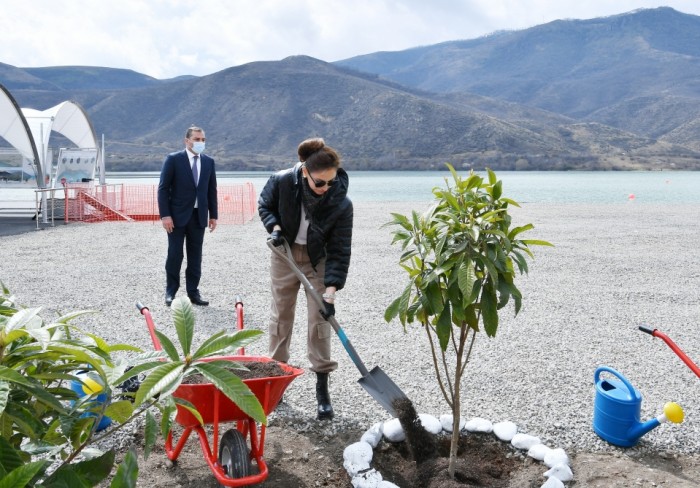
(87, 384)
(617, 408)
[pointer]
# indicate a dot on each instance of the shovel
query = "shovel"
(376, 382)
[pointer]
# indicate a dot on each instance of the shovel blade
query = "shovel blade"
(382, 389)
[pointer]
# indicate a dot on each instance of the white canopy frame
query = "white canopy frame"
(15, 130)
(28, 130)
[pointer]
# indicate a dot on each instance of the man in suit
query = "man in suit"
(187, 205)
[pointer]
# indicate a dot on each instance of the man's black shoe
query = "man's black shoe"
(197, 300)
(168, 300)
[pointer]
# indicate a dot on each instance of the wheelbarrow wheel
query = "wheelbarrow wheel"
(234, 457)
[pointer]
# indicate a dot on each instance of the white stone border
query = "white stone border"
(358, 456)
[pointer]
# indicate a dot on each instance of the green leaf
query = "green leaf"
(471, 318)
(187, 406)
(13, 376)
(9, 458)
(405, 300)
(25, 419)
(14, 335)
(444, 327)
(150, 434)
(99, 342)
(168, 346)
(24, 319)
(517, 230)
(391, 311)
(65, 477)
(43, 396)
(79, 354)
(161, 378)
(80, 429)
(183, 317)
(466, 276)
(234, 388)
(491, 269)
(64, 319)
(218, 343)
(120, 411)
(127, 472)
(521, 261)
(497, 190)
(22, 475)
(492, 176)
(137, 370)
(434, 295)
(489, 311)
(536, 242)
(4, 394)
(168, 413)
(94, 470)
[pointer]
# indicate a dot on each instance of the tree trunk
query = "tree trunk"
(454, 444)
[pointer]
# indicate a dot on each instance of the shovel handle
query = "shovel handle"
(287, 255)
(674, 347)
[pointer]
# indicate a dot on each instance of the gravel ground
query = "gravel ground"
(614, 267)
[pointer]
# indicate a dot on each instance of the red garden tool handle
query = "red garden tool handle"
(673, 346)
(239, 320)
(151, 326)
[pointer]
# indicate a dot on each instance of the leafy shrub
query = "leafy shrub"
(46, 430)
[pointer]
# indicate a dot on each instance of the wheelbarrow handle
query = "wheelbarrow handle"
(151, 326)
(287, 255)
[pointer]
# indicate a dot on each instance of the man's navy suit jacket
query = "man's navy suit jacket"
(177, 191)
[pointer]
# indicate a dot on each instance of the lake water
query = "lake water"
(536, 187)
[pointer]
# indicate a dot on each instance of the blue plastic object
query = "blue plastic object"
(78, 387)
(617, 408)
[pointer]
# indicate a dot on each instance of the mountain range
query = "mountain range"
(612, 93)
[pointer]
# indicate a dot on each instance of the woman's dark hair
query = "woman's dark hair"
(317, 156)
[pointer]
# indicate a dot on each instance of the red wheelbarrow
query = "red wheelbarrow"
(656, 333)
(239, 446)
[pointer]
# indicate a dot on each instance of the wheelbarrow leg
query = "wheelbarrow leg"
(174, 453)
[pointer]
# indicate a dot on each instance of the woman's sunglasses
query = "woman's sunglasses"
(322, 183)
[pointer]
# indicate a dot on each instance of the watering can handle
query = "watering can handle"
(633, 391)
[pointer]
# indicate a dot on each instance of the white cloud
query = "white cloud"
(166, 38)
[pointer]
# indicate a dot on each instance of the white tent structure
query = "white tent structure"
(15, 130)
(28, 130)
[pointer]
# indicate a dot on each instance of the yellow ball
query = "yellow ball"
(91, 386)
(674, 412)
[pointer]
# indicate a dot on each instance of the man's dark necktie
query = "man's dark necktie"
(194, 169)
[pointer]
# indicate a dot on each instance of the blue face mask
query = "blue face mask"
(198, 146)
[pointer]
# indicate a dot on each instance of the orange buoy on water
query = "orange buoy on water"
(631, 196)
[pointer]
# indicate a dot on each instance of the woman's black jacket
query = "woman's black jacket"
(330, 227)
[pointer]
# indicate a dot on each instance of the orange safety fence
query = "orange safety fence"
(86, 202)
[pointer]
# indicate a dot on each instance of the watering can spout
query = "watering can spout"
(638, 430)
(672, 412)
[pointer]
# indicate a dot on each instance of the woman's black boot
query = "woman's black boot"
(325, 410)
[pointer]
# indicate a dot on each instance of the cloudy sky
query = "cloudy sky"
(167, 38)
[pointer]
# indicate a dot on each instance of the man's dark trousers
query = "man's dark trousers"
(192, 237)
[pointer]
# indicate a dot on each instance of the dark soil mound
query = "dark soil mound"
(482, 460)
(256, 369)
